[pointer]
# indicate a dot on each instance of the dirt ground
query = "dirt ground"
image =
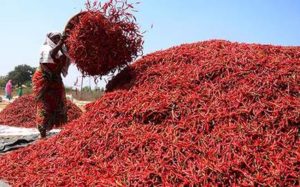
(3, 104)
(80, 104)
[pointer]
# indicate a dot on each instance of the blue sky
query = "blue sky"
(24, 24)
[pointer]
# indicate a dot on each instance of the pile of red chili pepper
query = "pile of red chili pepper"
(105, 38)
(21, 112)
(211, 113)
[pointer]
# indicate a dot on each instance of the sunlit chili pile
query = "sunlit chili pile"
(209, 113)
(105, 38)
(21, 112)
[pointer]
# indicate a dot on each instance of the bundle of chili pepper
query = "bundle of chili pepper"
(105, 38)
(21, 112)
(213, 113)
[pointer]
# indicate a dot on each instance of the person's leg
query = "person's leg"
(42, 131)
(58, 104)
(63, 105)
(41, 119)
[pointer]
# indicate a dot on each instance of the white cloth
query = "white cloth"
(46, 56)
(19, 131)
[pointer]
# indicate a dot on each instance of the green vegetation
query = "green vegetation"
(86, 94)
(22, 74)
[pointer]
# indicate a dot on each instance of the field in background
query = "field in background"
(80, 98)
(25, 91)
(84, 95)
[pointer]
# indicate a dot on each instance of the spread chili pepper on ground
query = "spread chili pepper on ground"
(21, 112)
(208, 113)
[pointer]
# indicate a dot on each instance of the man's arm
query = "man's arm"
(58, 47)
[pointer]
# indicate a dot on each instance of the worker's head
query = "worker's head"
(54, 36)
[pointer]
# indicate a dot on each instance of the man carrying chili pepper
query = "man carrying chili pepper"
(48, 87)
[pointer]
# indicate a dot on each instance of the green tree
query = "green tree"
(22, 74)
(3, 80)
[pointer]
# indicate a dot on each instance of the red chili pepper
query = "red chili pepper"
(105, 39)
(211, 113)
(21, 112)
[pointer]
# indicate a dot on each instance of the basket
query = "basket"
(72, 22)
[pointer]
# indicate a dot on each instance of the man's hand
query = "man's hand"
(63, 37)
(61, 42)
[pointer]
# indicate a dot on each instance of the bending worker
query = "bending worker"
(48, 86)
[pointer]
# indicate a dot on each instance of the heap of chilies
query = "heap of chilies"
(21, 112)
(105, 38)
(213, 113)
